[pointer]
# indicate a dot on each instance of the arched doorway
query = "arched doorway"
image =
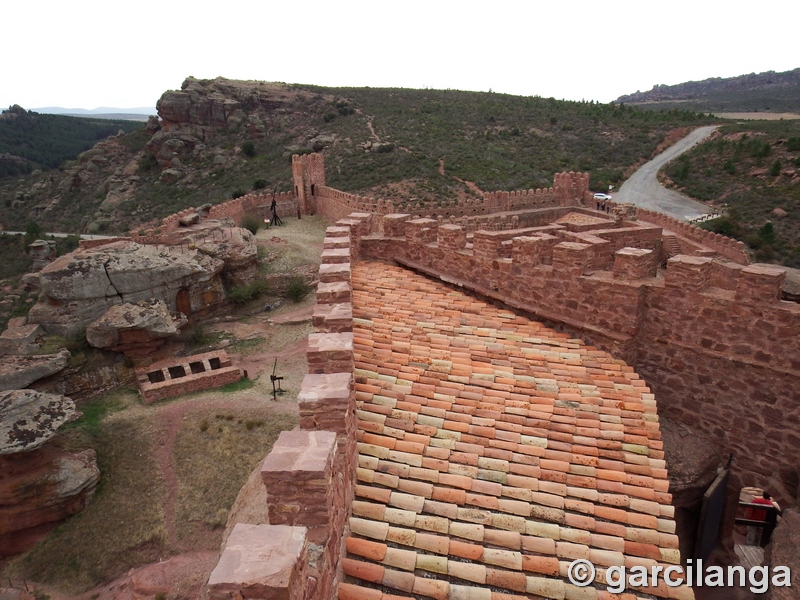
(183, 302)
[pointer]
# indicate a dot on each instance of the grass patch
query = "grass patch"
(212, 465)
(237, 386)
(122, 528)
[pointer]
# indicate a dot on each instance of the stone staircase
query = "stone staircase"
(671, 245)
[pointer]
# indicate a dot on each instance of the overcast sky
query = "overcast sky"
(91, 53)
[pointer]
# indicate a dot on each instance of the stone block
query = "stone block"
(326, 401)
(336, 242)
(759, 285)
(688, 272)
(571, 258)
(533, 250)
(336, 255)
(634, 263)
(333, 272)
(451, 237)
(394, 225)
(330, 352)
(297, 474)
(487, 243)
(422, 231)
(334, 293)
(260, 561)
(333, 318)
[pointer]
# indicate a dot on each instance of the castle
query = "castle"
(681, 306)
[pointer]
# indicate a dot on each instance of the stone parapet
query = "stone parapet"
(326, 402)
(334, 272)
(297, 474)
(333, 318)
(394, 225)
(634, 263)
(759, 285)
(261, 561)
(330, 352)
(688, 272)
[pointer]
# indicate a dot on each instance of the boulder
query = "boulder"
(20, 339)
(135, 329)
(40, 484)
(78, 288)
(18, 372)
(29, 418)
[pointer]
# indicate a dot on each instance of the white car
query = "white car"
(601, 196)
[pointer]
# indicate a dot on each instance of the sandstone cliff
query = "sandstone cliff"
(78, 288)
(40, 484)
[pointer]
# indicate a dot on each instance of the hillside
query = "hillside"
(761, 92)
(29, 140)
(220, 138)
(752, 172)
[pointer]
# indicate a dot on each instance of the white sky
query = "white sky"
(91, 53)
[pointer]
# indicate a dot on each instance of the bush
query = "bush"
(237, 193)
(729, 167)
(297, 289)
(792, 144)
(329, 117)
(259, 184)
(243, 294)
(776, 168)
(147, 162)
(251, 222)
(249, 149)
(198, 336)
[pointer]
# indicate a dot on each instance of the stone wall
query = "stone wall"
(718, 346)
(255, 202)
(175, 376)
(726, 247)
(309, 472)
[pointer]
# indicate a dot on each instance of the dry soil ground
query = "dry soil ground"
(172, 470)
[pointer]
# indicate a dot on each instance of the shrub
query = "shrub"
(297, 289)
(251, 222)
(147, 162)
(198, 336)
(792, 144)
(237, 193)
(249, 149)
(259, 184)
(329, 117)
(776, 168)
(729, 167)
(243, 294)
(759, 149)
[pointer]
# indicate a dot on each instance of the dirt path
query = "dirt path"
(643, 188)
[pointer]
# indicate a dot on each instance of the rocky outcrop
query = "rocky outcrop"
(18, 372)
(28, 419)
(20, 339)
(783, 552)
(693, 463)
(135, 329)
(39, 483)
(78, 288)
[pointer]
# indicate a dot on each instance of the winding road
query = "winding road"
(643, 188)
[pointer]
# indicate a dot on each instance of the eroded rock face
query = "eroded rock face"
(135, 329)
(29, 418)
(783, 552)
(39, 483)
(18, 372)
(78, 288)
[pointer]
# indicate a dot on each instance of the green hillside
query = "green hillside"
(751, 171)
(36, 141)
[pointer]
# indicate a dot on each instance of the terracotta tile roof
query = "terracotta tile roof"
(493, 451)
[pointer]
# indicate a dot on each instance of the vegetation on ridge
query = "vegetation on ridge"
(428, 146)
(751, 171)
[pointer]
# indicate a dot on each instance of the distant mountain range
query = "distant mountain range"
(756, 92)
(103, 112)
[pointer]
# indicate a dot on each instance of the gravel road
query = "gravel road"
(643, 189)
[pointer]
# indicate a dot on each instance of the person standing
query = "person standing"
(276, 220)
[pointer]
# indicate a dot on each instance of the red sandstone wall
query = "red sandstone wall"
(724, 246)
(254, 202)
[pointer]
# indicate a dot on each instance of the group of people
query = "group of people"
(603, 206)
